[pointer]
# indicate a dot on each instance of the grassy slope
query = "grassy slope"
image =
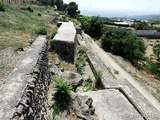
(17, 26)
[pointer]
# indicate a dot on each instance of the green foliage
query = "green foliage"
(39, 14)
(30, 9)
(41, 31)
(71, 9)
(98, 82)
(153, 63)
(62, 18)
(91, 25)
(88, 84)
(156, 50)
(153, 66)
(123, 43)
(65, 6)
(45, 2)
(59, 4)
(54, 32)
(142, 26)
(107, 21)
(15, 22)
(2, 6)
(80, 64)
(62, 95)
(98, 75)
(51, 43)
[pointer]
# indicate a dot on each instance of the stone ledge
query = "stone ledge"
(14, 85)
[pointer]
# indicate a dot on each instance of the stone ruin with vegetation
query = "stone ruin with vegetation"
(75, 84)
(24, 95)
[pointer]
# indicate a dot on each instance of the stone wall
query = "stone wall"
(24, 92)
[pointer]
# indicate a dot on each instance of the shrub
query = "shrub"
(30, 9)
(92, 25)
(153, 66)
(62, 95)
(45, 2)
(60, 18)
(142, 26)
(98, 75)
(54, 32)
(42, 31)
(88, 84)
(98, 82)
(80, 64)
(124, 44)
(51, 43)
(39, 14)
(153, 63)
(2, 6)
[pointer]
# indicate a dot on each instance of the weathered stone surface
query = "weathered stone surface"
(21, 87)
(83, 107)
(75, 79)
(112, 105)
(143, 105)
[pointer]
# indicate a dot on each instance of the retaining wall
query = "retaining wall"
(24, 93)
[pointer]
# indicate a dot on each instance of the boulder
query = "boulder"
(74, 79)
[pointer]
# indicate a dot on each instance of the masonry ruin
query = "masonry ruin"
(65, 41)
(24, 92)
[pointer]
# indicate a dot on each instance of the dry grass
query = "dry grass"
(66, 66)
(17, 26)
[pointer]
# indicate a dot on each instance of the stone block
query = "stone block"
(65, 41)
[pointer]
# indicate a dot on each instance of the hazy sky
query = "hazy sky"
(150, 6)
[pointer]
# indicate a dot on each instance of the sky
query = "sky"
(134, 7)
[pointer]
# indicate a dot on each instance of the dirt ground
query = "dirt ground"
(8, 60)
(149, 45)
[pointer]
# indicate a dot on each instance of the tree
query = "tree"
(123, 43)
(59, 4)
(142, 26)
(72, 9)
(45, 2)
(65, 5)
(96, 26)
(92, 25)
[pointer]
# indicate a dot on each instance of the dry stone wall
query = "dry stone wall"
(24, 92)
